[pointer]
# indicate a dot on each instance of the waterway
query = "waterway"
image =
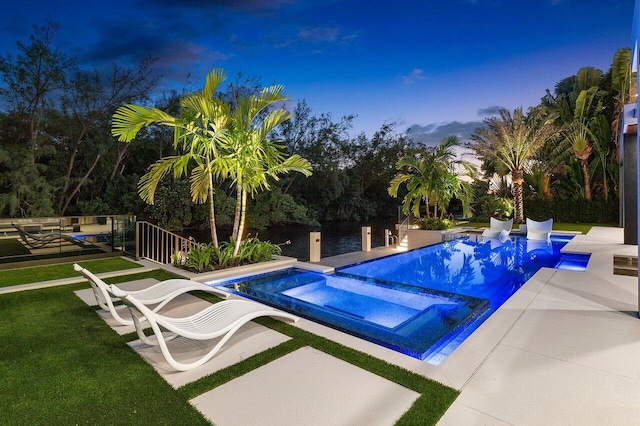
(336, 237)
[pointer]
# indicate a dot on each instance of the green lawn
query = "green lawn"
(12, 247)
(61, 364)
(36, 274)
(580, 227)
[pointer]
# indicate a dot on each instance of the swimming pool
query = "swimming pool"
(424, 302)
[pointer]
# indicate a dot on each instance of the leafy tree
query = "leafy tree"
(513, 140)
(30, 81)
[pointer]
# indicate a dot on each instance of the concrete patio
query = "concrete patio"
(562, 350)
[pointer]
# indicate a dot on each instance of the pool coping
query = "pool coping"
(461, 365)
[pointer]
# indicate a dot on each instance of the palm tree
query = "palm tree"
(512, 140)
(431, 177)
(198, 131)
(589, 132)
(250, 157)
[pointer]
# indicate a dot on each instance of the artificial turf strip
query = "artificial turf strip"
(435, 398)
(61, 364)
(12, 247)
(434, 401)
(36, 274)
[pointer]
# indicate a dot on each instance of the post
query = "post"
(366, 238)
(387, 234)
(314, 246)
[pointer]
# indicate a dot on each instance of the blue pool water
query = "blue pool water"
(424, 302)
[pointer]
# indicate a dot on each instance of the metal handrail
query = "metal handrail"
(403, 228)
(158, 245)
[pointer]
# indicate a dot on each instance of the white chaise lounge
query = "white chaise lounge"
(539, 231)
(158, 294)
(498, 228)
(221, 319)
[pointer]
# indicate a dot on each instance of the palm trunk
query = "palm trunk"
(241, 224)
(546, 187)
(587, 179)
(236, 219)
(212, 216)
(517, 178)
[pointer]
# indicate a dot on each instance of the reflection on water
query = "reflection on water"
(337, 237)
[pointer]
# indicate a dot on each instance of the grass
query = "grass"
(61, 364)
(12, 247)
(580, 227)
(62, 270)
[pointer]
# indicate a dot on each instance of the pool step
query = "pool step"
(625, 265)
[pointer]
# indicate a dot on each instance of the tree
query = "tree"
(513, 140)
(431, 177)
(198, 132)
(250, 157)
(88, 105)
(31, 80)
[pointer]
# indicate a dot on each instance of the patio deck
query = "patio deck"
(562, 350)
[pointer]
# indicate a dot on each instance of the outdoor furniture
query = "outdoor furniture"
(496, 228)
(36, 241)
(160, 293)
(220, 319)
(539, 230)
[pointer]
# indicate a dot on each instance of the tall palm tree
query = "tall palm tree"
(513, 140)
(431, 177)
(199, 130)
(250, 157)
(588, 133)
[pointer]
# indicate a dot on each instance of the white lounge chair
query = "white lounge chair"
(498, 228)
(540, 231)
(220, 319)
(160, 293)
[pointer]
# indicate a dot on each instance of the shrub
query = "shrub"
(199, 257)
(206, 257)
(493, 206)
(573, 211)
(434, 223)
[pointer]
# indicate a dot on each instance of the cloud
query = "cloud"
(415, 75)
(489, 111)
(318, 34)
(433, 134)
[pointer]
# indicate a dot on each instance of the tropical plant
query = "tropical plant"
(198, 131)
(434, 223)
(250, 157)
(513, 140)
(431, 176)
(492, 206)
(200, 257)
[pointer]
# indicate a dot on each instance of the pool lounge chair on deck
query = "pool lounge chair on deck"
(540, 231)
(498, 228)
(221, 319)
(35, 241)
(160, 293)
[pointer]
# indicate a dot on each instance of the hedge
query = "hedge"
(573, 211)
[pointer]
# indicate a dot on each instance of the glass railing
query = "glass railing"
(31, 239)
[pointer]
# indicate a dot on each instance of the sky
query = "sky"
(437, 68)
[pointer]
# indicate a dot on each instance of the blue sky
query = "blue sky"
(439, 67)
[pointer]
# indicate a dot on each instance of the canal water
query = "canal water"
(336, 237)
